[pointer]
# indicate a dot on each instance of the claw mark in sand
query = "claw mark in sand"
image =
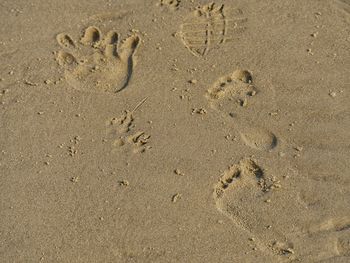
(97, 63)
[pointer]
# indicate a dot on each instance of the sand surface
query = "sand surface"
(175, 131)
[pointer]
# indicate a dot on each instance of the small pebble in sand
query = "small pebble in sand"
(29, 83)
(309, 51)
(74, 179)
(252, 93)
(333, 94)
(244, 103)
(175, 197)
(178, 172)
(288, 251)
(199, 111)
(124, 183)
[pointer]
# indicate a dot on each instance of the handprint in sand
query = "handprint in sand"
(97, 63)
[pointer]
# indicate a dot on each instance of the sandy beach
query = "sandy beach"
(175, 131)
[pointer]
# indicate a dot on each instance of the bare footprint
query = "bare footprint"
(249, 196)
(97, 63)
(231, 95)
(237, 195)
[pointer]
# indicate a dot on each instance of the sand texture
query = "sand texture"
(175, 131)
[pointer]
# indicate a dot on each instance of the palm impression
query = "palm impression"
(97, 63)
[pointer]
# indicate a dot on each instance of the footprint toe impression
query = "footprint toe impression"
(238, 194)
(234, 95)
(97, 63)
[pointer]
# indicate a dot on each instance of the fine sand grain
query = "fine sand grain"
(175, 131)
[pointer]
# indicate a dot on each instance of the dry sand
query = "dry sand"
(175, 131)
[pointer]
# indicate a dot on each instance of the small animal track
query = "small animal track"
(138, 141)
(171, 4)
(124, 122)
(209, 26)
(120, 131)
(97, 63)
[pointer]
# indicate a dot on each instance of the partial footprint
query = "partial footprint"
(332, 224)
(236, 87)
(228, 95)
(97, 63)
(343, 243)
(247, 172)
(329, 241)
(345, 5)
(337, 229)
(258, 138)
(210, 26)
